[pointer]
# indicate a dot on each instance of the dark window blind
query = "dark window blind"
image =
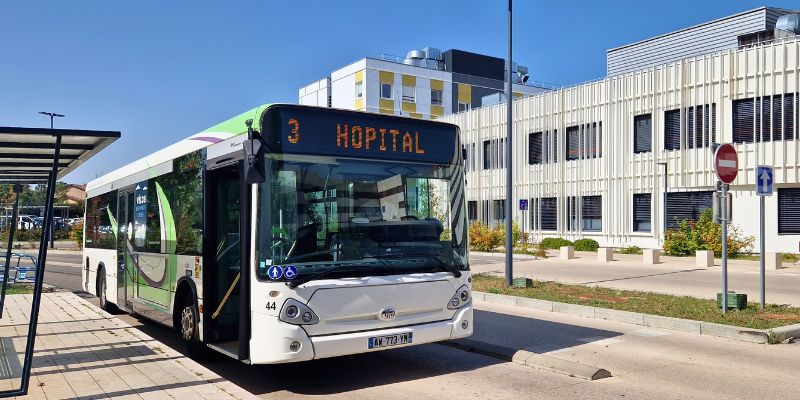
(672, 129)
(643, 133)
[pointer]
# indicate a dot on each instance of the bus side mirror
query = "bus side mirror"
(253, 156)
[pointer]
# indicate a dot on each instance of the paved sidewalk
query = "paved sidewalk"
(84, 352)
(674, 275)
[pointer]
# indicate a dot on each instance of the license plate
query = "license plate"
(378, 342)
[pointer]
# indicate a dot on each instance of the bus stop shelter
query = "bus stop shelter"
(35, 156)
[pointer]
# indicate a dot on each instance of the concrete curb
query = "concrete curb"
(776, 335)
(534, 360)
(779, 335)
(503, 255)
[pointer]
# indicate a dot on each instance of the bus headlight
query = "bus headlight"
(460, 299)
(297, 313)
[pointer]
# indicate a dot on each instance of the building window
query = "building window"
(535, 148)
(550, 146)
(789, 211)
(494, 153)
(436, 97)
(548, 213)
(643, 133)
(533, 210)
(499, 209)
(592, 213)
(359, 89)
(463, 107)
(487, 151)
(472, 210)
(592, 140)
(764, 119)
(485, 211)
(386, 90)
(584, 141)
(700, 120)
(409, 94)
(686, 206)
(672, 129)
(641, 212)
(571, 205)
(572, 143)
(743, 121)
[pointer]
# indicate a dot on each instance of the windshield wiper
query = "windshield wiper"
(296, 283)
(448, 267)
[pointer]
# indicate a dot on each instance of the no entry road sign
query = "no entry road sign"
(726, 163)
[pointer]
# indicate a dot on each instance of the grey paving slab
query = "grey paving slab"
(83, 352)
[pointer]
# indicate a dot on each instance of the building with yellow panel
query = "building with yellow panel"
(426, 83)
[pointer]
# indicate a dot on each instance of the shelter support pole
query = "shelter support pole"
(11, 231)
(37, 290)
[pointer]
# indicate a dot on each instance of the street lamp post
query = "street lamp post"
(664, 227)
(509, 167)
(52, 115)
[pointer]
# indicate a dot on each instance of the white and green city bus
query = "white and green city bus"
(289, 233)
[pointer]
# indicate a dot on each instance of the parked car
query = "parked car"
(26, 222)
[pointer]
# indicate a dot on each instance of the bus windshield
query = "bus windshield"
(359, 217)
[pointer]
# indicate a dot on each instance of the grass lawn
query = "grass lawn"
(645, 302)
(19, 289)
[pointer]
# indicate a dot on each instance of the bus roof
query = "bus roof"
(218, 133)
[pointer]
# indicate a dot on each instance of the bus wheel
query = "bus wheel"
(101, 293)
(188, 328)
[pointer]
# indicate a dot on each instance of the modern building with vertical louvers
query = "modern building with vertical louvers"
(592, 159)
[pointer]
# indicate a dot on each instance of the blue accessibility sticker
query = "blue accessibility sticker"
(275, 272)
(290, 272)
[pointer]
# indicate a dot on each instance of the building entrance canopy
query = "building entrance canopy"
(33, 156)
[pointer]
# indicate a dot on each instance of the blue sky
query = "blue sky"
(161, 71)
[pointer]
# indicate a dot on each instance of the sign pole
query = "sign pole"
(761, 252)
(724, 248)
(764, 183)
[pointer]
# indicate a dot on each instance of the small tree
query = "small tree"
(76, 234)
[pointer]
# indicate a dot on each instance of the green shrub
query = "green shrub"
(704, 234)
(789, 257)
(554, 243)
(586, 245)
(630, 250)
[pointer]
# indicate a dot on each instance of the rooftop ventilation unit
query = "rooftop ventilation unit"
(789, 23)
(428, 57)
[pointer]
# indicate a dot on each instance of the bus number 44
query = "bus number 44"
(271, 305)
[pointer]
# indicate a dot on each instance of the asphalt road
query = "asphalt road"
(645, 363)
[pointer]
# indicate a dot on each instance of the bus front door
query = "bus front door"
(225, 280)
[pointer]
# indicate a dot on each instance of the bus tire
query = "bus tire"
(101, 293)
(188, 318)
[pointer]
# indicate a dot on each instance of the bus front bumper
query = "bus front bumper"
(278, 348)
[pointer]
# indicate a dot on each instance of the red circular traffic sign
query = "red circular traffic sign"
(726, 163)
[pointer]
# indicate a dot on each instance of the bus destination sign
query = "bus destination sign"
(326, 132)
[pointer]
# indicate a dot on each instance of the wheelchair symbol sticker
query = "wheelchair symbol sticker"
(290, 272)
